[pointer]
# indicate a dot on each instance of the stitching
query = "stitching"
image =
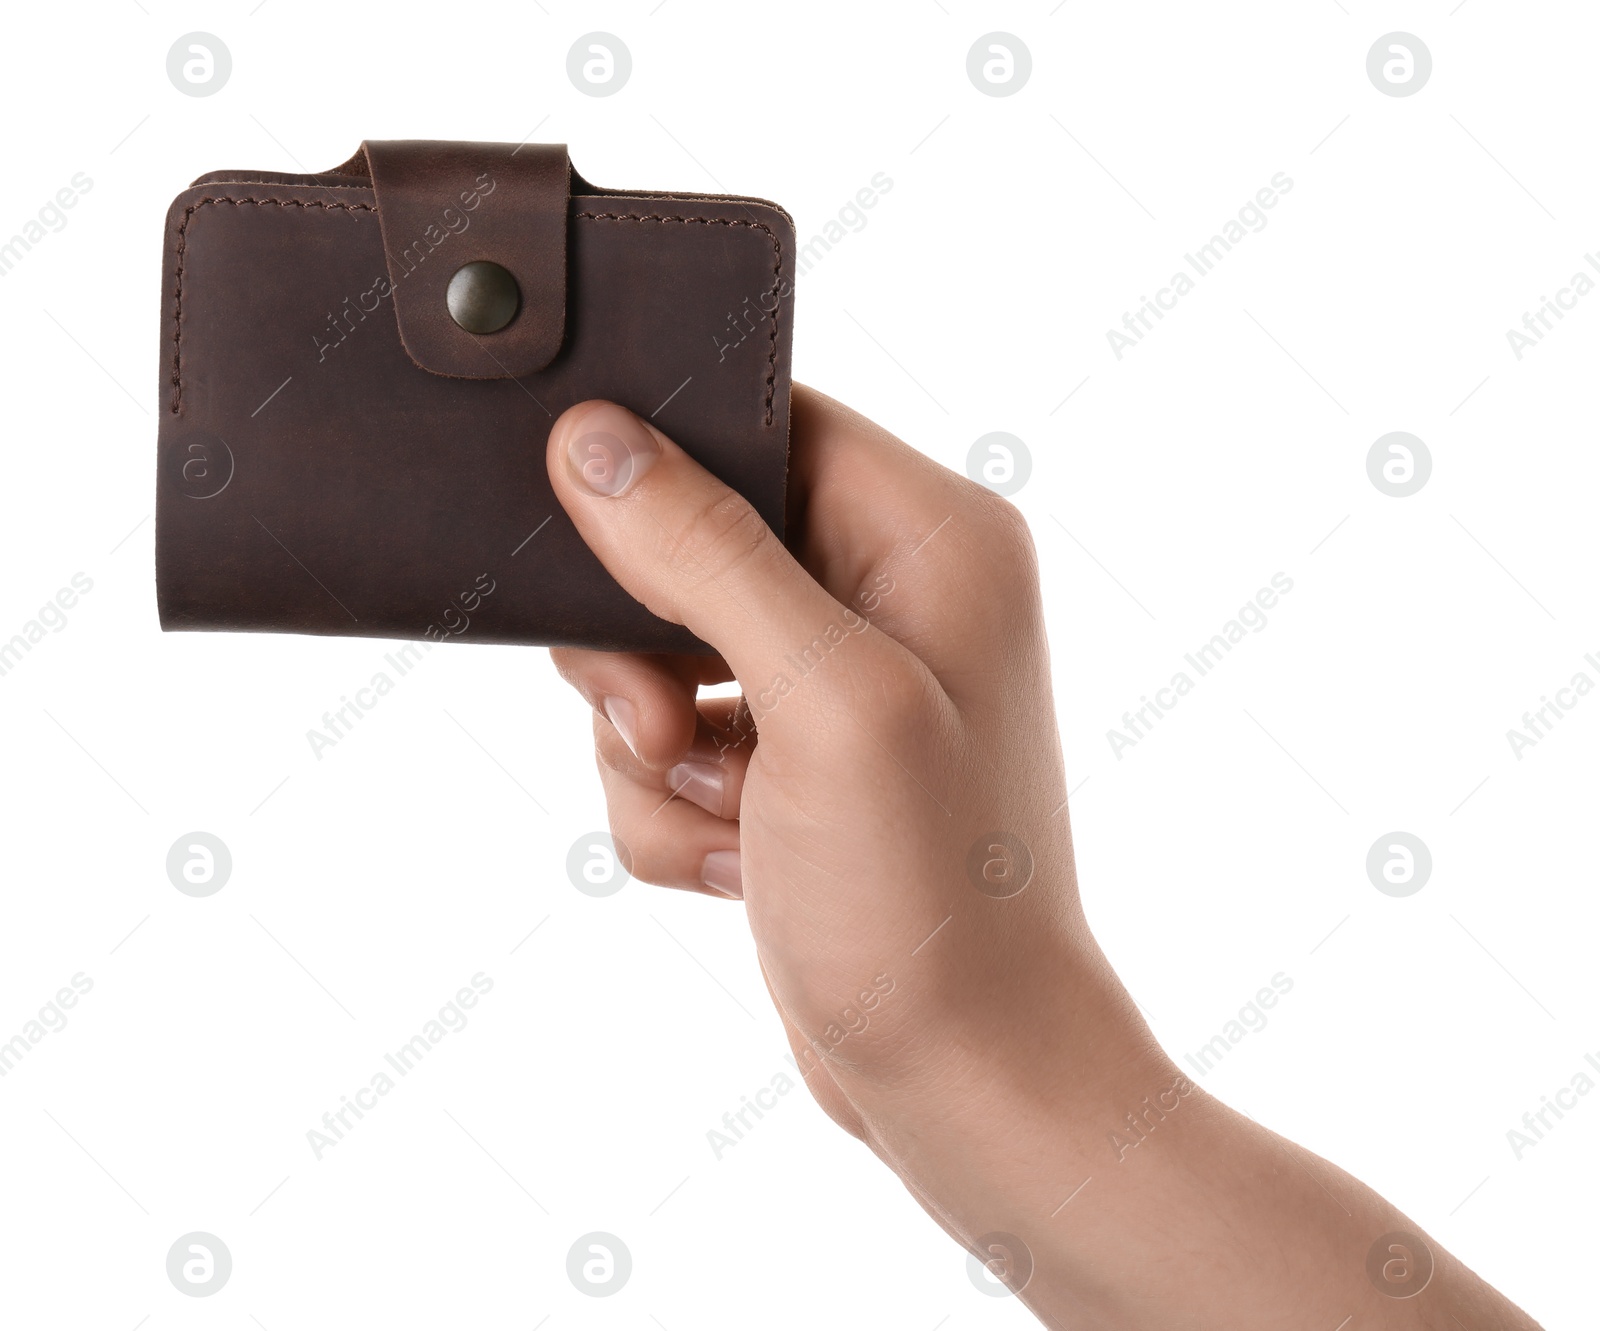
(183, 243)
(777, 274)
(316, 185)
(189, 212)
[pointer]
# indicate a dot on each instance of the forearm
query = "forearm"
(1140, 1201)
(896, 830)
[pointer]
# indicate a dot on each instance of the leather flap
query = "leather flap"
(442, 205)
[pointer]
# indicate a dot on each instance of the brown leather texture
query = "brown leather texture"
(525, 231)
(337, 456)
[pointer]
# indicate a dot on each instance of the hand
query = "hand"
(888, 798)
(892, 776)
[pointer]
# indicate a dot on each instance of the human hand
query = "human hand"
(888, 798)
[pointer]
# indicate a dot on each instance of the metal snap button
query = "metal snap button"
(482, 297)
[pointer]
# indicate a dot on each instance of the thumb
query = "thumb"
(691, 549)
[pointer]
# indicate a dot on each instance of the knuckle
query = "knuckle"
(650, 853)
(1010, 538)
(640, 855)
(721, 534)
(995, 538)
(1002, 573)
(610, 753)
(570, 666)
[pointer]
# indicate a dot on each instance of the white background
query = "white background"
(1228, 846)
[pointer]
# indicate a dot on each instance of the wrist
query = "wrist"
(1024, 1097)
(1081, 1183)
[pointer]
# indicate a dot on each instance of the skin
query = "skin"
(950, 1008)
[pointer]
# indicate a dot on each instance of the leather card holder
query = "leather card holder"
(342, 451)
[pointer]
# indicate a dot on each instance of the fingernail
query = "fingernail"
(610, 450)
(721, 873)
(625, 717)
(699, 783)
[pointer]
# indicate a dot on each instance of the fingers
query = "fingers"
(709, 772)
(660, 733)
(673, 769)
(649, 700)
(681, 827)
(692, 550)
(670, 841)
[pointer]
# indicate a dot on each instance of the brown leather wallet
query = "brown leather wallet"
(360, 369)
